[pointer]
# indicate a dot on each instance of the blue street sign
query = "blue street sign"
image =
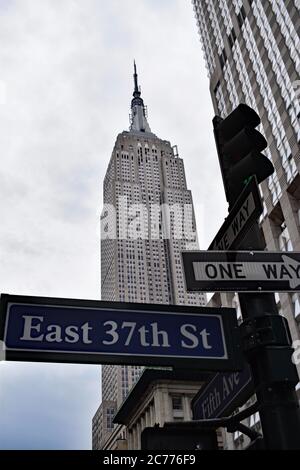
(223, 394)
(111, 333)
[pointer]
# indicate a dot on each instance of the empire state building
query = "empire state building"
(153, 222)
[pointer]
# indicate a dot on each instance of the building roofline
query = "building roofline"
(149, 377)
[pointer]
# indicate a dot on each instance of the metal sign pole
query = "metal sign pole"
(268, 347)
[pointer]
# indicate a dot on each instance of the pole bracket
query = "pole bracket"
(267, 339)
(265, 330)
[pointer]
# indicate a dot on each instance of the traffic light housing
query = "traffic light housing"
(179, 438)
(239, 147)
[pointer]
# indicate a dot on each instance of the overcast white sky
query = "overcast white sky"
(65, 88)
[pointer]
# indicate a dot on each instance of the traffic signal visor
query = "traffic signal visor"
(239, 147)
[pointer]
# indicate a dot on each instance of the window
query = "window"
(109, 416)
(223, 58)
(296, 306)
(243, 13)
(240, 19)
(285, 243)
(232, 38)
(238, 436)
(236, 305)
(254, 419)
(177, 403)
(278, 303)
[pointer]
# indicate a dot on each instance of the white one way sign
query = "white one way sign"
(242, 271)
(242, 216)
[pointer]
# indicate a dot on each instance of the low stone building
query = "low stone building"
(160, 396)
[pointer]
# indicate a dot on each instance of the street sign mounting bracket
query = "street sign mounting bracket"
(264, 330)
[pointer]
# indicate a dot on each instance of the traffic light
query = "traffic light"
(239, 145)
(179, 438)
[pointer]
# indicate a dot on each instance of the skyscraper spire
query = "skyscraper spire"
(138, 111)
(136, 85)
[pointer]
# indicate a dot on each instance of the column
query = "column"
(147, 418)
(187, 412)
(138, 432)
(129, 437)
(134, 438)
